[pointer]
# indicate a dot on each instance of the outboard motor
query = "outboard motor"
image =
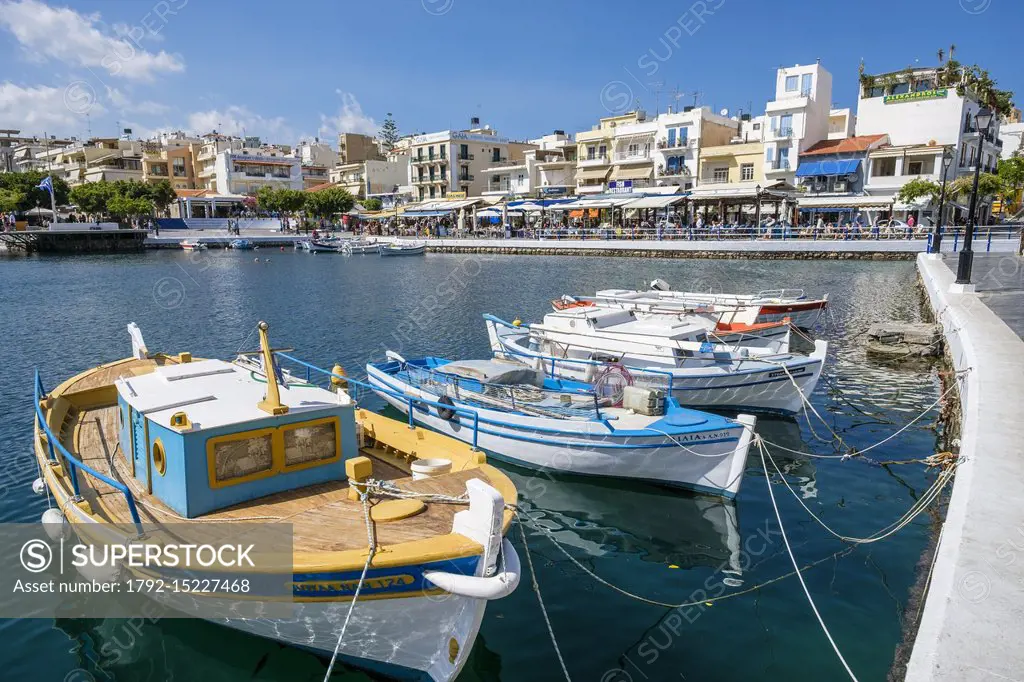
(660, 285)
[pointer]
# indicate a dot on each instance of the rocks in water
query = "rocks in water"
(905, 339)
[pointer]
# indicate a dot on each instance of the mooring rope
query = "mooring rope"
(792, 558)
(372, 544)
(540, 600)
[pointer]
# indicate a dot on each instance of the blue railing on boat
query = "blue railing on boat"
(73, 464)
(572, 361)
(412, 401)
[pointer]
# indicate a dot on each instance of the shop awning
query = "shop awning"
(844, 203)
(632, 173)
(827, 167)
(657, 202)
(592, 173)
(425, 214)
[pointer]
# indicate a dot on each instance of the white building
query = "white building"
(798, 118)
(678, 138)
(547, 170)
(921, 119)
(372, 178)
(245, 171)
(1011, 136)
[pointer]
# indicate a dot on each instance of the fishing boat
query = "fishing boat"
(775, 304)
(317, 246)
(403, 249)
(242, 244)
(189, 245)
(515, 412)
(734, 326)
(396, 534)
(708, 377)
(356, 247)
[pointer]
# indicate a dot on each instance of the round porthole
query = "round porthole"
(159, 457)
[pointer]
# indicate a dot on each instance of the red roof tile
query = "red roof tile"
(860, 143)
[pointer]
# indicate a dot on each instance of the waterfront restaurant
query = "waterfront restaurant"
(832, 177)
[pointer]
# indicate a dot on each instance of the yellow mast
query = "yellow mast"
(271, 403)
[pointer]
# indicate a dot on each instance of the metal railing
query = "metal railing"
(73, 464)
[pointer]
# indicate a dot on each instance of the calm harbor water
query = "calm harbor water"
(64, 315)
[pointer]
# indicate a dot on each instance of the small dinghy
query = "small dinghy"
(393, 535)
(703, 376)
(357, 247)
(513, 411)
(403, 249)
(775, 304)
(189, 245)
(242, 244)
(332, 246)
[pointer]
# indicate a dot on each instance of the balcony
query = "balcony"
(783, 133)
(678, 143)
(598, 160)
(632, 157)
(673, 171)
(419, 159)
(466, 178)
(778, 165)
(714, 181)
(465, 157)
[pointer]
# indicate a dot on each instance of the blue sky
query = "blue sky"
(304, 68)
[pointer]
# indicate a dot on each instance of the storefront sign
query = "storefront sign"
(916, 96)
(620, 186)
(455, 195)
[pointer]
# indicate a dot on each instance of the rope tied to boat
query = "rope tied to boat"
(372, 550)
(540, 599)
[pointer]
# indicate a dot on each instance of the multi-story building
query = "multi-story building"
(730, 178)
(247, 170)
(832, 177)
(679, 138)
(25, 156)
(355, 147)
(317, 161)
(1011, 134)
(594, 151)
(371, 178)
(109, 159)
(546, 170)
(172, 157)
(922, 118)
(798, 117)
(454, 160)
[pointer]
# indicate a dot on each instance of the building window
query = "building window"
(671, 137)
(591, 153)
(463, 151)
(877, 91)
(922, 85)
(720, 175)
(806, 81)
(883, 168)
(914, 168)
(791, 83)
(746, 171)
(179, 167)
(602, 151)
(432, 192)
(757, 126)
(901, 88)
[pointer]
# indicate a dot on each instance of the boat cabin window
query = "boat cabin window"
(310, 442)
(242, 457)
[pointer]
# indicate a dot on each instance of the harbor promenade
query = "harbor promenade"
(970, 626)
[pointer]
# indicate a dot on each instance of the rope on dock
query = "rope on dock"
(792, 558)
(540, 600)
(372, 544)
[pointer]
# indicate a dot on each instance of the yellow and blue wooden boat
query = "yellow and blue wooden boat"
(397, 532)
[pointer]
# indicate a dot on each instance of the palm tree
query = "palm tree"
(940, 54)
(952, 50)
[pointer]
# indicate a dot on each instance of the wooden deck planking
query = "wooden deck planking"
(322, 516)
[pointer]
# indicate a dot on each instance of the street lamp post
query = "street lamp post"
(757, 209)
(983, 119)
(947, 159)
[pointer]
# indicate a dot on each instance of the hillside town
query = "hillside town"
(797, 161)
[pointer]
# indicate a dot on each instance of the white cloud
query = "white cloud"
(128, 105)
(67, 36)
(238, 120)
(349, 119)
(41, 108)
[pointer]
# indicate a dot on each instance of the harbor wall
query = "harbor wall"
(970, 625)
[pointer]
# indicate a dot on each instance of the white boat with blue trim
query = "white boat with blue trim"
(411, 521)
(698, 375)
(513, 411)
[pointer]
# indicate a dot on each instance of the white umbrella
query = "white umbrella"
(462, 219)
(504, 218)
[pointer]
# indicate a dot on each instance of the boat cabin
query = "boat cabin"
(208, 434)
(616, 323)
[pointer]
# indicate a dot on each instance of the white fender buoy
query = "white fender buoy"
(56, 525)
(426, 468)
(496, 586)
(108, 573)
(38, 486)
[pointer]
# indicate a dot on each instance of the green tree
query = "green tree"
(329, 202)
(372, 204)
(26, 184)
(267, 199)
(989, 185)
(1011, 173)
(389, 133)
(129, 207)
(291, 200)
(133, 189)
(92, 197)
(161, 193)
(918, 188)
(10, 200)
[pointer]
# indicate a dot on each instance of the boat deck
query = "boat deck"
(322, 516)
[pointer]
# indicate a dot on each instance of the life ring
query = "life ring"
(446, 413)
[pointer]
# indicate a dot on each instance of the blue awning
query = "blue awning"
(808, 168)
(827, 167)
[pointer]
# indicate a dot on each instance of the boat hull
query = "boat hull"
(766, 385)
(404, 250)
(710, 462)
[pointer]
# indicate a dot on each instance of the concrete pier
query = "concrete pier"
(970, 628)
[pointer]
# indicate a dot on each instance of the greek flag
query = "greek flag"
(46, 184)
